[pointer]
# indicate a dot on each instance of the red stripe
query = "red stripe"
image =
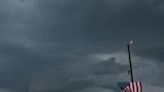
(137, 87)
(140, 87)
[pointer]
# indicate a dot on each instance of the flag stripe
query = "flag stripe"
(131, 87)
(140, 86)
(135, 87)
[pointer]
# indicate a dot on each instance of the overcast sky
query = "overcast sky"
(80, 45)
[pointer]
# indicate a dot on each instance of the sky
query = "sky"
(80, 45)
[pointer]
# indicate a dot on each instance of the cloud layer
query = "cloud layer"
(79, 45)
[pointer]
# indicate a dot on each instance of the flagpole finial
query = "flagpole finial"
(131, 42)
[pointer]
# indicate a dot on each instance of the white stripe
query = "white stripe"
(131, 87)
(135, 86)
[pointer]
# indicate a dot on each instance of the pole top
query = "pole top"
(130, 42)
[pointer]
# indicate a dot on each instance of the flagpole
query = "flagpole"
(130, 61)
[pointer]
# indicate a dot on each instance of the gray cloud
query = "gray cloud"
(46, 45)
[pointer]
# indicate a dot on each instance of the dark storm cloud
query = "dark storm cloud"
(78, 76)
(46, 44)
(93, 24)
(154, 53)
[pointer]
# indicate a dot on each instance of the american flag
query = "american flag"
(130, 87)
